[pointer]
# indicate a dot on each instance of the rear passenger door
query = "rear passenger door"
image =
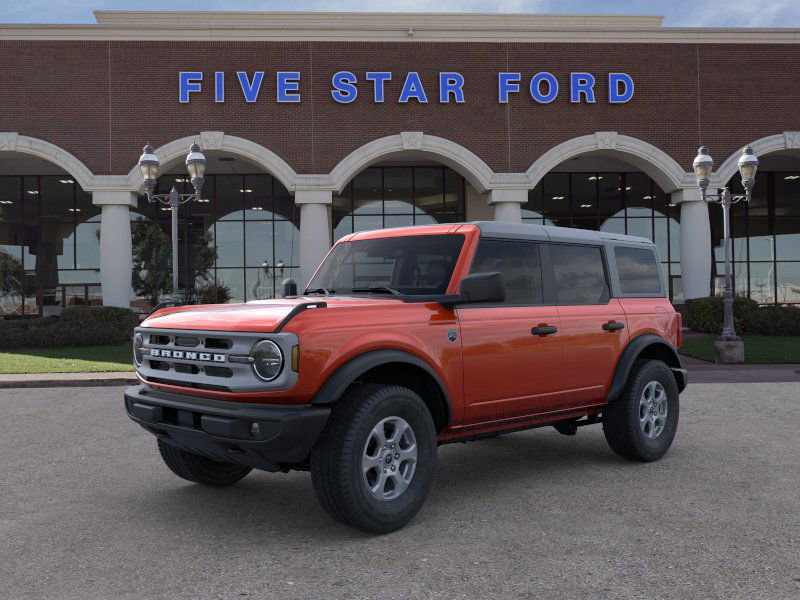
(509, 370)
(593, 325)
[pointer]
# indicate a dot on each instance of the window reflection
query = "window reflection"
(246, 224)
(380, 197)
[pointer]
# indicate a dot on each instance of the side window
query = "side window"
(579, 274)
(519, 264)
(638, 271)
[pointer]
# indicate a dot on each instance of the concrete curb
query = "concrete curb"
(51, 380)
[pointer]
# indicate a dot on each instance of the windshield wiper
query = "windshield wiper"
(377, 289)
(323, 291)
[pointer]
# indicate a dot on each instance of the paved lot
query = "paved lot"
(87, 510)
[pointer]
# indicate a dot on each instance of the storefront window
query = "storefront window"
(237, 245)
(381, 197)
(627, 203)
(765, 239)
(49, 245)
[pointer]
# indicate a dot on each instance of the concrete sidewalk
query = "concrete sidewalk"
(49, 380)
(700, 371)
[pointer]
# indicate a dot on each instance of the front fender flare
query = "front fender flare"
(346, 374)
(633, 350)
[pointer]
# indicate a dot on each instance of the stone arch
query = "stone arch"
(218, 140)
(656, 163)
(11, 141)
(781, 142)
(444, 151)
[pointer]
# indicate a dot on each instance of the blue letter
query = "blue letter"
(581, 83)
(378, 77)
(536, 88)
(451, 83)
(288, 86)
(506, 83)
(344, 92)
(412, 88)
(250, 90)
(219, 86)
(188, 81)
(614, 95)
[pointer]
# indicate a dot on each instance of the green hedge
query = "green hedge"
(77, 326)
(705, 315)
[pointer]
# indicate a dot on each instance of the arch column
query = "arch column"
(116, 253)
(315, 230)
(507, 204)
(695, 243)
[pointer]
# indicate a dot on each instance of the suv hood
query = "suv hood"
(260, 316)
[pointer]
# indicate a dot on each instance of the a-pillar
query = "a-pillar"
(508, 204)
(315, 230)
(695, 243)
(116, 255)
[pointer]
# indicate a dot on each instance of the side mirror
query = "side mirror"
(289, 287)
(478, 288)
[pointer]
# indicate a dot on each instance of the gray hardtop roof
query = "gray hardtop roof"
(530, 231)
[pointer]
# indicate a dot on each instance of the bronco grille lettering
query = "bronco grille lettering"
(180, 354)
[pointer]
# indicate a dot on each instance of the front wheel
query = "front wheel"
(641, 423)
(375, 461)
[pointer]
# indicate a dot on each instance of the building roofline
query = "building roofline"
(388, 27)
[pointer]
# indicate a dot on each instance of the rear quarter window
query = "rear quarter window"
(638, 271)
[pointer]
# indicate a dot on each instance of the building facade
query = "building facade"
(319, 124)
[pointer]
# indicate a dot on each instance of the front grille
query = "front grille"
(201, 359)
(218, 344)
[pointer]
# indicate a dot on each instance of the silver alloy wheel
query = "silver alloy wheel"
(653, 409)
(389, 459)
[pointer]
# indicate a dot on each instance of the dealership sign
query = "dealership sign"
(346, 87)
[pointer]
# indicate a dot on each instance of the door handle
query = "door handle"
(544, 330)
(613, 326)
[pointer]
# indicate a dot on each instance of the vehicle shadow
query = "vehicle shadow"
(284, 505)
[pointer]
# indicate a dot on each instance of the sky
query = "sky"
(678, 13)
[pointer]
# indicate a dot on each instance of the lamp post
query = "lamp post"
(196, 165)
(703, 165)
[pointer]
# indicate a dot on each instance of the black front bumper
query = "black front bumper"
(263, 436)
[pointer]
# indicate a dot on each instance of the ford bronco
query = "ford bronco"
(406, 339)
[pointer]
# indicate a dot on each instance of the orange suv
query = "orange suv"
(406, 339)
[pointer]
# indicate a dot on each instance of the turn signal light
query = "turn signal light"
(295, 358)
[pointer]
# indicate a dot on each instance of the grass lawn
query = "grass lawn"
(93, 359)
(764, 349)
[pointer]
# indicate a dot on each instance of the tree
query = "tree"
(152, 259)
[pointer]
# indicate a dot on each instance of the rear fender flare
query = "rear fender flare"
(634, 350)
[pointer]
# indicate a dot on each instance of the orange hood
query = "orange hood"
(262, 316)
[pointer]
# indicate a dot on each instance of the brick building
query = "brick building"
(319, 124)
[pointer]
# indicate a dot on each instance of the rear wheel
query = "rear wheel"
(375, 461)
(199, 469)
(641, 423)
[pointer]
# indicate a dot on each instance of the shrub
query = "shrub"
(705, 315)
(77, 326)
(213, 293)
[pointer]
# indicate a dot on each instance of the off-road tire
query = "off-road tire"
(199, 469)
(621, 418)
(336, 460)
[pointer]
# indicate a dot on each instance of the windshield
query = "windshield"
(415, 265)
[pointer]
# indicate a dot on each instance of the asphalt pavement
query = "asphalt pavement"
(88, 510)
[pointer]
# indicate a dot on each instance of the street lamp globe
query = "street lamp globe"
(748, 164)
(703, 165)
(196, 165)
(148, 165)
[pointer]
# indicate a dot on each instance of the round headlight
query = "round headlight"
(138, 343)
(268, 360)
